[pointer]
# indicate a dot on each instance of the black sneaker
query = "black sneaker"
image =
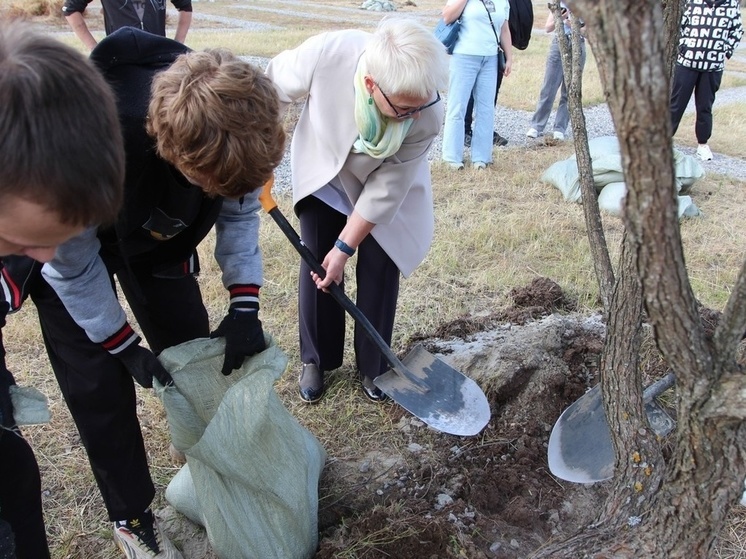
(142, 538)
(498, 140)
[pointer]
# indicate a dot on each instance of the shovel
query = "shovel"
(428, 388)
(580, 448)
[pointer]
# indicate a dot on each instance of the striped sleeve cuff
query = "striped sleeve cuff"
(244, 297)
(121, 340)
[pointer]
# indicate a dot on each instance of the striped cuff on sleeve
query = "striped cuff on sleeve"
(244, 297)
(121, 340)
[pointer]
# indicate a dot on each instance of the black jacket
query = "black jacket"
(159, 202)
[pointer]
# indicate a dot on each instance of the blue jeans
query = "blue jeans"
(478, 74)
(554, 78)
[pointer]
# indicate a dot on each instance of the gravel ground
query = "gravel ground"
(512, 124)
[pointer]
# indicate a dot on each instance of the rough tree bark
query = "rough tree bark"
(672, 10)
(682, 516)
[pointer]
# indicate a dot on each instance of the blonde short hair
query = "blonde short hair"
(405, 58)
(217, 120)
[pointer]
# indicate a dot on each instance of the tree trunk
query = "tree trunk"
(672, 10)
(573, 72)
(705, 475)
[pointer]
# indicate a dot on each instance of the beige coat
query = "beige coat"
(394, 193)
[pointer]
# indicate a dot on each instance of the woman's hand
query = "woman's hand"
(334, 264)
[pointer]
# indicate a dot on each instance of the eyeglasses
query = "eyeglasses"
(413, 111)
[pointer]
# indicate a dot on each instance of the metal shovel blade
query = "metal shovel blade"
(453, 403)
(580, 448)
(436, 393)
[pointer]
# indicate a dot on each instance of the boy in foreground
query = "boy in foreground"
(47, 127)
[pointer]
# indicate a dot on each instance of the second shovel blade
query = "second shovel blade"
(453, 403)
(580, 447)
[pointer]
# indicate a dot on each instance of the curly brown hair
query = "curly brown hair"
(217, 120)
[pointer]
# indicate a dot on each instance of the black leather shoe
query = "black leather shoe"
(311, 383)
(371, 391)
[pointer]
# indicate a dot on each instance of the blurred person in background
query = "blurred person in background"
(554, 80)
(710, 31)
(148, 15)
(473, 72)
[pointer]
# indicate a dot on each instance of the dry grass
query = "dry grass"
(32, 8)
(495, 230)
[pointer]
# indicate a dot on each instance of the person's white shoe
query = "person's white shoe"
(532, 133)
(457, 166)
(480, 165)
(559, 136)
(704, 153)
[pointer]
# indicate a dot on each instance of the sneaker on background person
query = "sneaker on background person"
(559, 136)
(704, 152)
(497, 139)
(142, 538)
(532, 133)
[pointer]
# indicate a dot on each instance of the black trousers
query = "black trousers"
(20, 498)
(100, 392)
(321, 319)
(705, 86)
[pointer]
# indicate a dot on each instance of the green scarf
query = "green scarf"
(380, 137)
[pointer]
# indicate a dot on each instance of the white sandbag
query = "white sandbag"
(183, 496)
(606, 161)
(29, 405)
(604, 145)
(611, 198)
(687, 170)
(253, 470)
(563, 175)
(687, 208)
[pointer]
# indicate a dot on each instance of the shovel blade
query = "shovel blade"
(453, 403)
(580, 448)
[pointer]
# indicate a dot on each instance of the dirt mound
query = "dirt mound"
(490, 496)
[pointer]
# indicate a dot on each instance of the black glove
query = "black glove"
(6, 404)
(243, 335)
(143, 365)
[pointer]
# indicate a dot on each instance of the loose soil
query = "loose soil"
(490, 496)
(433, 495)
